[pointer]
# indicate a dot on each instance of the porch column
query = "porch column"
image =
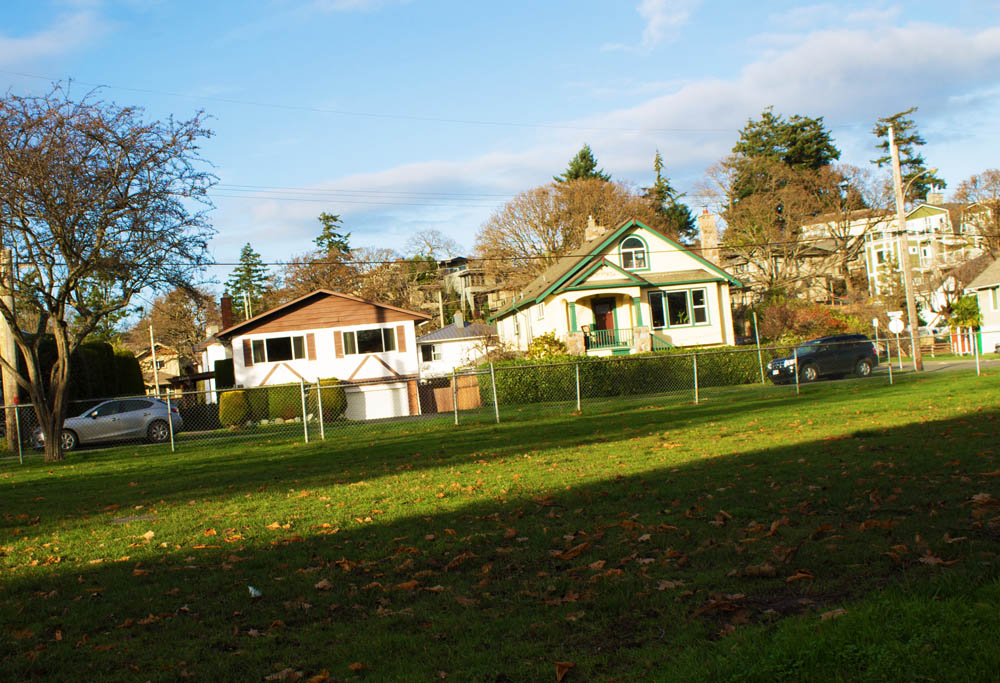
(572, 317)
(638, 312)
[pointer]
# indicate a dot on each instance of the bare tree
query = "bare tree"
(541, 225)
(433, 243)
(95, 198)
(179, 318)
(981, 195)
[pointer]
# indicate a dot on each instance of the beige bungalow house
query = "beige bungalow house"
(626, 290)
(986, 287)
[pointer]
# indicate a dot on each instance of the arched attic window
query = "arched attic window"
(634, 253)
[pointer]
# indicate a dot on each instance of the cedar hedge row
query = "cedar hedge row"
(554, 379)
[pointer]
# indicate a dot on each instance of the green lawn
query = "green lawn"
(850, 533)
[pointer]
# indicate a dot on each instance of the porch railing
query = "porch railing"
(608, 339)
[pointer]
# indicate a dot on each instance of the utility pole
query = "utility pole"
(7, 350)
(904, 254)
(156, 371)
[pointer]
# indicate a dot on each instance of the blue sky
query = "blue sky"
(406, 116)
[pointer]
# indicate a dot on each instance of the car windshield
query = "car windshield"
(809, 347)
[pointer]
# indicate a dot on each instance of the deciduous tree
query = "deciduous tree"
(94, 195)
(981, 196)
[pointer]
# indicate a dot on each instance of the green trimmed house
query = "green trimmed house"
(627, 290)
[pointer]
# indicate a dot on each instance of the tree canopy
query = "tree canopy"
(675, 218)
(582, 167)
(96, 198)
(330, 240)
(917, 180)
(981, 196)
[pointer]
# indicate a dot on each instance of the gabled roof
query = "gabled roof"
(473, 330)
(277, 311)
(559, 273)
(988, 278)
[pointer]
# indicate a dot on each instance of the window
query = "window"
(880, 257)
(278, 349)
(996, 298)
(430, 352)
(679, 308)
(633, 252)
(377, 340)
(540, 312)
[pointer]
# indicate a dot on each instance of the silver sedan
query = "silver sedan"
(120, 419)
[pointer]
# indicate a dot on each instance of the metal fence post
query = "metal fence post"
(170, 424)
(17, 430)
(579, 404)
(795, 367)
(975, 347)
(694, 362)
(319, 409)
(305, 419)
(496, 406)
(760, 358)
(454, 394)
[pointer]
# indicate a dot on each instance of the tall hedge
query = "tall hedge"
(96, 370)
(554, 379)
(128, 374)
(234, 408)
(334, 398)
(284, 401)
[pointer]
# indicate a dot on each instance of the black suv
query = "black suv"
(839, 355)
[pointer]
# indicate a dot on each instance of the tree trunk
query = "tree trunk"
(50, 407)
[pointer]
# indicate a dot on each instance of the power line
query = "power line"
(375, 115)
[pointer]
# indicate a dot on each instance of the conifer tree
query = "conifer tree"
(248, 281)
(582, 166)
(916, 180)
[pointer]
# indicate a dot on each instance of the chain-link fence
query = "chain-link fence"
(495, 393)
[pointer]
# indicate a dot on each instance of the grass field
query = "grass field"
(850, 533)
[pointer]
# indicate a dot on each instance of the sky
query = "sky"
(411, 115)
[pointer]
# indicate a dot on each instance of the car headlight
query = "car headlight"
(790, 363)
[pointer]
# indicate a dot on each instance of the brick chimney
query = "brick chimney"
(226, 308)
(709, 232)
(459, 320)
(593, 230)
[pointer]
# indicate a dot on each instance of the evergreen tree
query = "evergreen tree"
(582, 166)
(916, 180)
(675, 217)
(330, 241)
(798, 142)
(250, 279)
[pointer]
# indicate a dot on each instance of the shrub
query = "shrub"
(128, 374)
(334, 398)
(546, 346)
(257, 403)
(234, 408)
(284, 402)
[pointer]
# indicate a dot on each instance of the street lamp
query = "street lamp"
(904, 247)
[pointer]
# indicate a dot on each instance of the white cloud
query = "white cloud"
(661, 17)
(68, 33)
(851, 77)
(65, 35)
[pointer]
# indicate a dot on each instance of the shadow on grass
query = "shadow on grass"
(617, 574)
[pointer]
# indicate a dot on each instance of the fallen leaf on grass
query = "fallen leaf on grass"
(457, 560)
(832, 614)
(148, 535)
(288, 674)
(406, 586)
(323, 585)
(563, 668)
(573, 552)
(934, 560)
(210, 532)
(321, 677)
(356, 666)
(765, 569)
(800, 575)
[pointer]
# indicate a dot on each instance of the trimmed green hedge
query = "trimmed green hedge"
(234, 408)
(284, 401)
(334, 398)
(554, 379)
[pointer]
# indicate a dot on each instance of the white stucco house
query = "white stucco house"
(986, 287)
(370, 346)
(626, 290)
(458, 345)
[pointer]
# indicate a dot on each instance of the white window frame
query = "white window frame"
(435, 354)
(690, 310)
(259, 353)
(995, 298)
(351, 341)
(539, 311)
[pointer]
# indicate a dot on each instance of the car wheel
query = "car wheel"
(863, 368)
(158, 431)
(810, 373)
(68, 440)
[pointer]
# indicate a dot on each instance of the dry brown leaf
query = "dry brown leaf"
(765, 569)
(934, 561)
(597, 565)
(323, 585)
(457, 560)
(832, 614)
(800, 575)
(574, 551)
(321, 677)
(511, 532)
(406, 586)
(356, 666)
(210, 532)
(563, 668)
